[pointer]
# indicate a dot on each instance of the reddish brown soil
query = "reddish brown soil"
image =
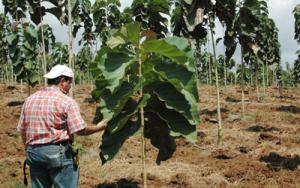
(260, 149)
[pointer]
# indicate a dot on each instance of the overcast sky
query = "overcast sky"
(279, 10)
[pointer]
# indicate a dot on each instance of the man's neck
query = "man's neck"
(59, 88)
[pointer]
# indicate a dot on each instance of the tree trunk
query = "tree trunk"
(209, 65)
(197, 79)
(217, 88)
(143, 128)
(274, 78)
(21, 85)
(207, 75)
(251, 76)
(43, 47)
(225, 76)
(12, 74)
(264, 82)
(267, 70)
(256, 78)
(70, 45)
(6, 74)
(235, 79)
(243, 82)
(28, 89)
(44, 54)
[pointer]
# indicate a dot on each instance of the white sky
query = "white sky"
(279, 10)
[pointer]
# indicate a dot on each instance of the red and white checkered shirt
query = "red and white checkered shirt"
(49, 116)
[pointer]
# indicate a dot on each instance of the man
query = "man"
(48, 121)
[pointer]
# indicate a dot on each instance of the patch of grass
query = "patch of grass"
(248, 117)
(14, 183)
(2, 168)
(19, 185)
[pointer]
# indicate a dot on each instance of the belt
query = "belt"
(63, 143)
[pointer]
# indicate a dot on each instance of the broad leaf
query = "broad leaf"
(111, 143)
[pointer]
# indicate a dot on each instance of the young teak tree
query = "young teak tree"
(296, 12)
(160, 99)
(149, 14)
(106, 16)
(4, 53)
(296, 72)
(23, 51)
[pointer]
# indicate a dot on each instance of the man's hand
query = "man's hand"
(102, 124)
(93, 129)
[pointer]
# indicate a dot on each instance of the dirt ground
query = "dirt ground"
(259, 149)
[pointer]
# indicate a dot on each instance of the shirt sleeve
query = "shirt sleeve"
(74, 120)
(21, 123)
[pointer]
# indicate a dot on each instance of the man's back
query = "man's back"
(45, 117)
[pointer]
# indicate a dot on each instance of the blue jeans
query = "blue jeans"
(52, 165)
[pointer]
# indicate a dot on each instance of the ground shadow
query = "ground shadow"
(230, 99)
(276, 162)
(15, 103)
(212, 112)
(121, 183)
(291, 108)
(259, 128)
(245, 91)
(89, 100)
(284, 97)
(223, 157)
(11, 87)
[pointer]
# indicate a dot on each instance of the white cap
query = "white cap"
(59, 70)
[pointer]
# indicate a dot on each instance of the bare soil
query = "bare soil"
(259, 149)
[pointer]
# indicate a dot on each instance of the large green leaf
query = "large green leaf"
(177, 123)
(179, 126)
(157, 130)
(185, 83)
(114, 66)
(112, 104)
(130, 109)
(111, 143)
(164, 48)
(188, 1)
(178, 101)
(132, 32)
(10, 38)
(115, 41)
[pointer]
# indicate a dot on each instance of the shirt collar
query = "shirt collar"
(53, 88)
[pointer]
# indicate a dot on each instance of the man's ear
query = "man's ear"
(62, 79)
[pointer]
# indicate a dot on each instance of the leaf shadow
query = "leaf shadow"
(290, 108)
(259, 128)
(276, 162)
(121, 183)
(15, 103)
(213, 112)
(231, 99)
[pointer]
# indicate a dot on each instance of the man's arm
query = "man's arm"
(93, 129)
(23, 135)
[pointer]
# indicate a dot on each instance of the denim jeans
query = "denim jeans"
(52, 165)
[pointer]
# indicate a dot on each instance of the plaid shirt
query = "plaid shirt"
(49, 116)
